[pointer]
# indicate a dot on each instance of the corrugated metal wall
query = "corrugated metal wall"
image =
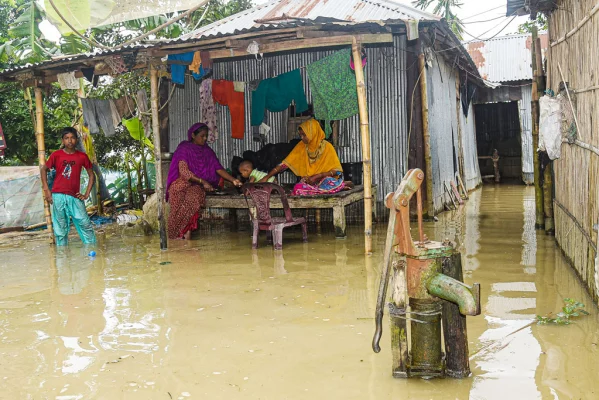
(526, 124)
(386, 81)
(443, 126)
(471, 171)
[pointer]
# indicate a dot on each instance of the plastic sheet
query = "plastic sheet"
(21, 201)
(550, 138)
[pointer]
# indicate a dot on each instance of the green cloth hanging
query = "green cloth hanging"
(136, 130)
(333, 86)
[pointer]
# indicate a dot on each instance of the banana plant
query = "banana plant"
(444, 8)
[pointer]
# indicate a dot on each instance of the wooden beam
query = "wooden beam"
(157, 156)
(305, 44)
(426, 136)
(365, 136)
(41, 152)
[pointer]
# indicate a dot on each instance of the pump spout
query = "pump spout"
(467, 298)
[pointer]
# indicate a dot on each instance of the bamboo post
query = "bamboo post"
(41, 152)
(459, 117)
(426, 136)
(365, 136)
(157, 156)
(548, 174)
(539, 212)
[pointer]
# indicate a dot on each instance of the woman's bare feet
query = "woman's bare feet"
(187, 235)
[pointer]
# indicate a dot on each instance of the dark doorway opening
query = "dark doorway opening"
(498, 128)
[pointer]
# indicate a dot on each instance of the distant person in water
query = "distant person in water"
(194, 170)
(247, 170)
(65, 197)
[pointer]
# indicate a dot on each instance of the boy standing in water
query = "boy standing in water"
(66, 198)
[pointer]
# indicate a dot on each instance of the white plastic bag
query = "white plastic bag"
(550, 138)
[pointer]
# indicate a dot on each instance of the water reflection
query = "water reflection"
(529, 234)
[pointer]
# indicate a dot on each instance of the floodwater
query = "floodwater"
(212, 319)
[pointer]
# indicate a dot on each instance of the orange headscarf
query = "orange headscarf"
(316, 157)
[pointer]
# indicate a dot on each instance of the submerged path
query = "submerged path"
(212, 319)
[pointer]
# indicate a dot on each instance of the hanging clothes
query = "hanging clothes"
(196, 63)
(125, 106)
(207, 109)
(179, 63)
(142, 107)
(206, 60)
(68, 81)
(239, 86)
(333, 87)
(114, 112)
(276, 94)
(104, 117)
(97, 114)
(89, 115)
(466, 94)
(224, 93)
(88, 73)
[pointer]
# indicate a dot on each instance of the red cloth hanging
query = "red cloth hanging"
(224, 93)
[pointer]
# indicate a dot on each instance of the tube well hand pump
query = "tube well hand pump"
(426, 287)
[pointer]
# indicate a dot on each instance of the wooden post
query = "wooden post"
(41, 152)
(539, 214)
(429, 209)
(454, 325)
(157, 156)
(548, 173)
(458, 102)
(548, 199)
(397, 316)
(365, 136)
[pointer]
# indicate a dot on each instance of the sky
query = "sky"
(482, 19)
(474, 11)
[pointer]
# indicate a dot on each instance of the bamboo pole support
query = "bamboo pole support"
(426, 136)
(41, 153)
(158, 156)
(548, 199)
(539, 203)
(365, 136)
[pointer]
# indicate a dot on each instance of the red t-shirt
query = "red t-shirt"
(68, 171)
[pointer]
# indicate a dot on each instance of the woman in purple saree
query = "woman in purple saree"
(194, 170)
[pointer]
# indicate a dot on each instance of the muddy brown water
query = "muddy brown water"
(212, 319)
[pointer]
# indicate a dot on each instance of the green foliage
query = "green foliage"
(444, 8)
(17, 122)
(540, 23)
(570, 310)
(217, 10)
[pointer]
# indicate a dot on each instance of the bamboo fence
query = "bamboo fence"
(577, 171)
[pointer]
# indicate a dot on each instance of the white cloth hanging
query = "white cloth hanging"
(550, 138)
(68, 81)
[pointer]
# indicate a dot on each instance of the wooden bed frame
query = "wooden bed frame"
(336, 201)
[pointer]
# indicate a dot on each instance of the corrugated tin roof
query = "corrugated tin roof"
(67, 59)
(506, 58)
(347, 10)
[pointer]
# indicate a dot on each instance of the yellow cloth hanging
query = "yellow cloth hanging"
(315, 158)
(195, 63)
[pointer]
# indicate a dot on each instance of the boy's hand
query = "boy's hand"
(82, 196)
(48, 195)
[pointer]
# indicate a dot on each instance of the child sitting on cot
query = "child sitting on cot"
(247, 170)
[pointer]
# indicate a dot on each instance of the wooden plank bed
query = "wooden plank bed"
(337, 202)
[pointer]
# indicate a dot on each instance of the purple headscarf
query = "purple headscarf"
(201, 160)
